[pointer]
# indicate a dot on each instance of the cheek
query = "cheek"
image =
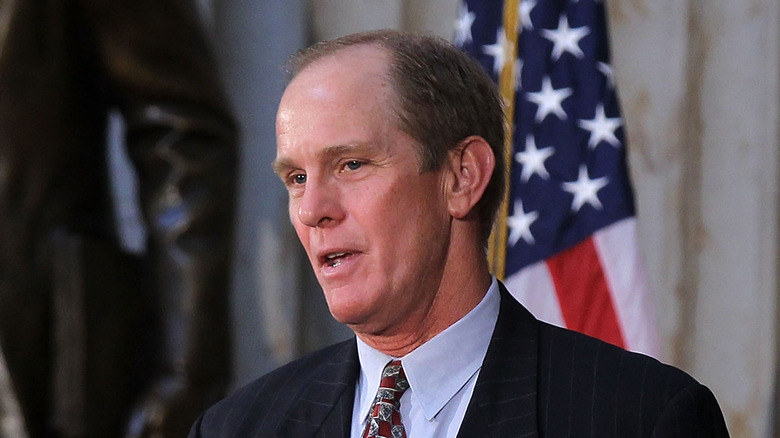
(411, 222)
(292, 210)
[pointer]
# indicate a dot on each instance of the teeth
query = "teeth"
(334, 259)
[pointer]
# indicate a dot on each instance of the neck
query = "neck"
(464, 283)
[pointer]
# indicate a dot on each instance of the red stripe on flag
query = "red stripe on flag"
(582, 290)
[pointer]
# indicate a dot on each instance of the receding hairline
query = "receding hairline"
(353, 61)
(382, 79)
(328, 48)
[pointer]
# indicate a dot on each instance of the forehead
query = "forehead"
(351, 73)
(347, 93)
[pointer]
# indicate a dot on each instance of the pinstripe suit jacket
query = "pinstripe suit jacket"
(537, 380)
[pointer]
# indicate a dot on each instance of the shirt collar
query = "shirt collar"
(439, 368)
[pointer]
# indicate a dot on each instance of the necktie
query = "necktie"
(384, 418)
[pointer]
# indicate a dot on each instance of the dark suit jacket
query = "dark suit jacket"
(536, 380)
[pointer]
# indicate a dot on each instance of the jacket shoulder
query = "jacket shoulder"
(617, 392)
(264, 402)
(559, 345)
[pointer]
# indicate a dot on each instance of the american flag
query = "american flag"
(570, 252)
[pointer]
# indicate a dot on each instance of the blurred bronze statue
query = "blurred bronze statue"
(96, 342)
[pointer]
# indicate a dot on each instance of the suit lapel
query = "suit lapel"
(504, 400)
(324, 406)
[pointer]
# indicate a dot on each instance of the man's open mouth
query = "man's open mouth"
(334, 260)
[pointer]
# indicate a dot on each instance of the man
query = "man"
(99, 343)
(390, 147)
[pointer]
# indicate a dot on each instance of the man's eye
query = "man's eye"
(353, 164)
(299, 178)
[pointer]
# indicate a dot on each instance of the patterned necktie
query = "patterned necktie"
(384, 418)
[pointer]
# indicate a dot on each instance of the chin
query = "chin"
(350, 315)
(345, 316)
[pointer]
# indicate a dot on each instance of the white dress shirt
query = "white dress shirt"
(441, 374)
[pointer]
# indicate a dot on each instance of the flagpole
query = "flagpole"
(506, 87)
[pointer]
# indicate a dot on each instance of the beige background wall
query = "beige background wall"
(699, 83)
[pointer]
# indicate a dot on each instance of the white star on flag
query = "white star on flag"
(549, 100)
(601, 128)
(463, 25)
(585, 190)
(566, 39)
(606, 70)
(524, 11)
(532, 159)
(500, 51)
(518, 72)
(520, 224)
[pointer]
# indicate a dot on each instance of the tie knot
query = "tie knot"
(393, 383)
(384, 419)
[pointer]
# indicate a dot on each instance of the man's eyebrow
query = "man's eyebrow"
(331, 152)
(281, 165)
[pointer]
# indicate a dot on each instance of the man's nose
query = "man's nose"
(320, 205)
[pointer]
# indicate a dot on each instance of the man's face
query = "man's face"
(376, 230)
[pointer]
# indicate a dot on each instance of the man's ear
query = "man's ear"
(471, 165)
